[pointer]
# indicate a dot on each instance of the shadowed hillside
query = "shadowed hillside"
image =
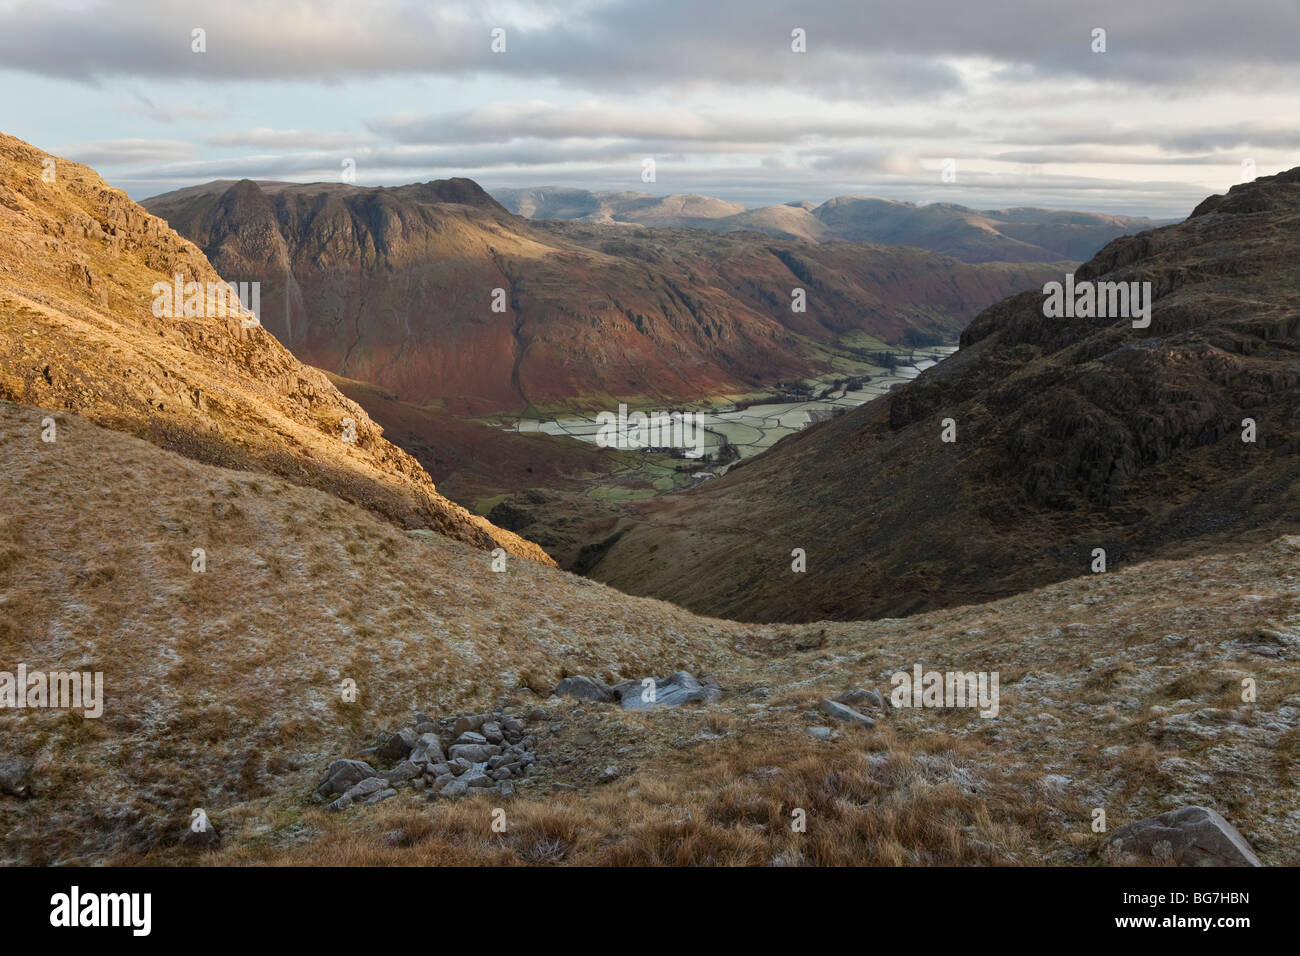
(1071, 435)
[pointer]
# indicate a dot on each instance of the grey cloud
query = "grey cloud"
(125, 152)
(289, 139)
(503, 122)
(879, 49)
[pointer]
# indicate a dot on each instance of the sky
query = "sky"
(987, 103)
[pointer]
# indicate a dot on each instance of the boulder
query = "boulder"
(862, 698)
(427, 750)
(584, 688)
(202, 839)
(365, 788)
(467, 722)
(673, 691)
(343, 774)
(395, 746)
(455, 788)
(1190, 836)
(14, 774)
(475, 753)
(844, 714)
(404, 771)
(511, 724)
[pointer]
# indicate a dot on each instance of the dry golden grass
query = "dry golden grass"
(1120, 692)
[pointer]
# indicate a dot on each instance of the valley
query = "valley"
(305, 643)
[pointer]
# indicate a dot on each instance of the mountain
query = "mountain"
(82, 332)
(395, 287)
(551, 202)
(1072, 434)
(971, 235)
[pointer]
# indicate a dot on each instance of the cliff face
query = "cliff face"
(395, 287)
(1071, 434)
(78, 332)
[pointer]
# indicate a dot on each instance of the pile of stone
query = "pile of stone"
(471, 753)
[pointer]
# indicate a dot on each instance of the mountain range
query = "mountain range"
(437, 294)
(971, 235)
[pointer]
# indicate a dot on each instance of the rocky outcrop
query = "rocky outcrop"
(642, 693)
(1191, 836)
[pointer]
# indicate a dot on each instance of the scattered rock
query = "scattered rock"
(467, 722)
(862, 698)
(342, 803)
(366, 787)
(427, 750)
(474, 753)
(821, 733)
(845, 714)
(203, 839)
(584, 688)
(342, 775)
(404, 771)
(490, 752)
(1190, 836)
(673, 691)
(14, 774)
(395, 746)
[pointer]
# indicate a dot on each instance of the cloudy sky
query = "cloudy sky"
(1188, 97)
